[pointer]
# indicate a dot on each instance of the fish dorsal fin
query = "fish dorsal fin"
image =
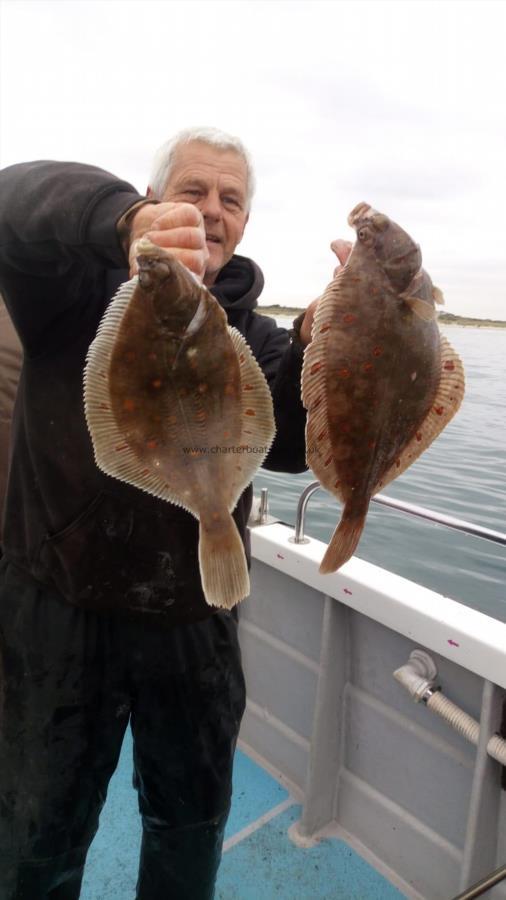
(258, 425)
(319, 454)
(449, 396)
(112, 453)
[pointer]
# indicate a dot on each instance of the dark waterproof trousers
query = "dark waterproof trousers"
(70, 681)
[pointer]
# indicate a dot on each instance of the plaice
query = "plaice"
(177, 406)
(379, 381)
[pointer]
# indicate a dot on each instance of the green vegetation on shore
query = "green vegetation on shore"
(444, 318)
(450, 319)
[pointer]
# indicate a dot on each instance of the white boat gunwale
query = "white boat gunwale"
(457, 632)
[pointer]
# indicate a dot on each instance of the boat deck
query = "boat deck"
(260, 859)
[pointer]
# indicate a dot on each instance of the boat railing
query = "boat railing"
(486, 884)
(399, 505)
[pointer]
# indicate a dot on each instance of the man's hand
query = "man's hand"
(342, 249)
(177, 228)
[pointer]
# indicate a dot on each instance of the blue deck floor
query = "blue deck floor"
(260, 860)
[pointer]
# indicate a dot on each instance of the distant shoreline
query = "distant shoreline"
(444, 318)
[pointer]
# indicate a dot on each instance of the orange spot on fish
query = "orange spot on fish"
(377, 351)
(248, 387)
(349, 318)
(315, 368)
(337, 484)
(152, 445)
(145, 472)
(344, 373)
(226, 434)
(419, 435)
(439, 410)
(324, 328)
(129, 405)
(449, 365)
(249, 412)
(367, 367)
(202, 388)
(156, 383)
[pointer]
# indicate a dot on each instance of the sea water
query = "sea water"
(462, 474)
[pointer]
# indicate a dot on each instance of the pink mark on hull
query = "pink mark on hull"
(453, 643)
(346, 591)
(279, 556)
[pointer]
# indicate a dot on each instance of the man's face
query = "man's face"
(216, 181)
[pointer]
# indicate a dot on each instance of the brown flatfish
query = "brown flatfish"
(177, 405)
(379, 381)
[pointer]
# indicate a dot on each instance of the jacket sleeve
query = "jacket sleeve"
(281, 362)
(57, 235)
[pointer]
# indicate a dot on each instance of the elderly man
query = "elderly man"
(102, 616)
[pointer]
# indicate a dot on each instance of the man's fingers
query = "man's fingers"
(187, 237)
(178, 229)
(175, 215)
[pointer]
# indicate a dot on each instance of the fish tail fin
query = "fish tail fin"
(223, 567)
(344, 541)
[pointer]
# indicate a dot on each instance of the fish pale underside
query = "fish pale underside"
(379, 381)
(177, 405)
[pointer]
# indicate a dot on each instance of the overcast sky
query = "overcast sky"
(401, 104)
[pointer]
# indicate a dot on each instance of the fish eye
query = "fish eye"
(146, 279)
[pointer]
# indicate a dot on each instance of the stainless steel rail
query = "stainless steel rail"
(484, 885)
(409, 508)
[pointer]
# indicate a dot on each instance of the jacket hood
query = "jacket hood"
(239, 284)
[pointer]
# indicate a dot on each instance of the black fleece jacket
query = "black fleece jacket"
(101, 543)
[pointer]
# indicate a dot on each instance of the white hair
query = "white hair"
(164, 157)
